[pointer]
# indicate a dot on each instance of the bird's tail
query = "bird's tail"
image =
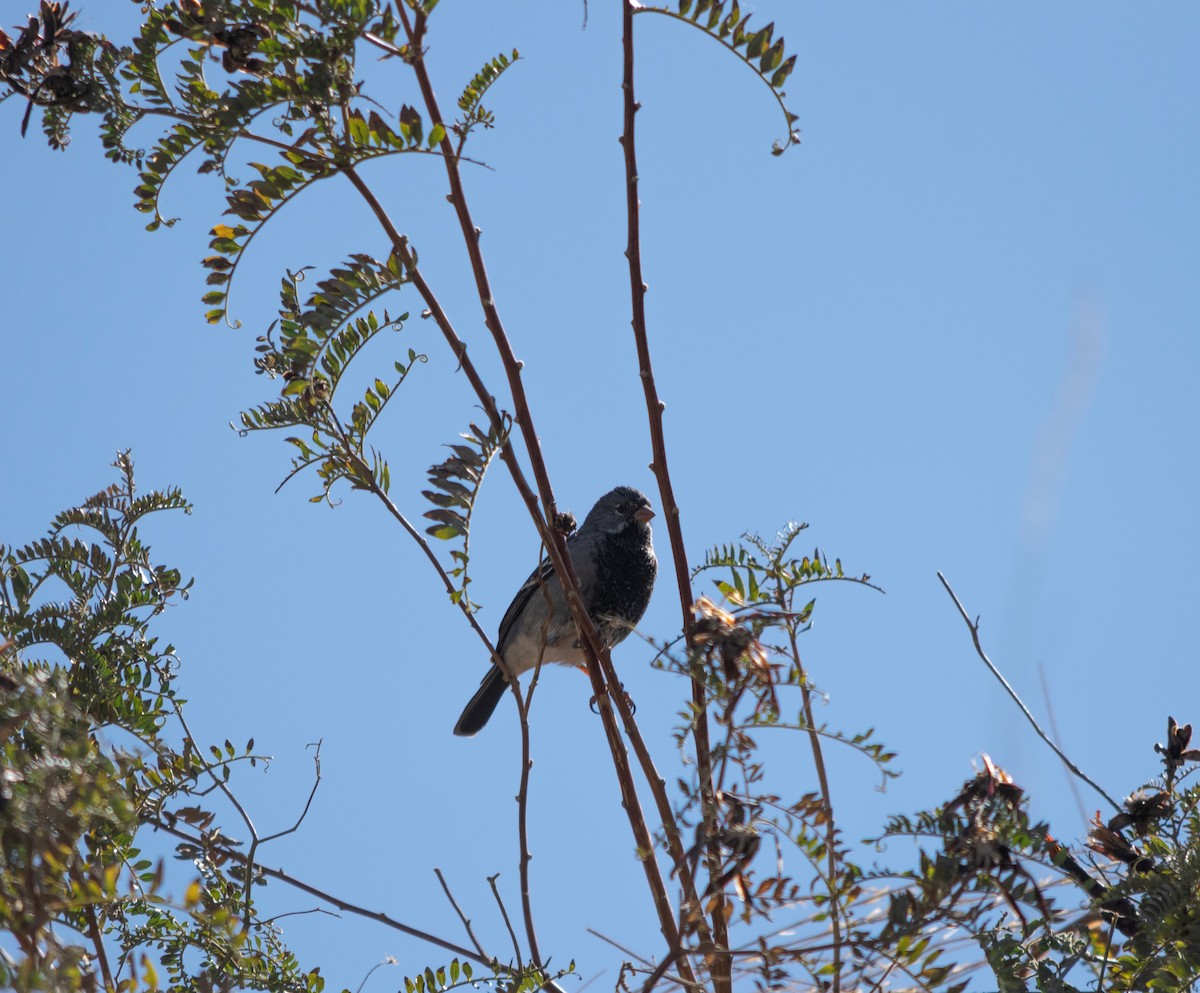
(477, 713)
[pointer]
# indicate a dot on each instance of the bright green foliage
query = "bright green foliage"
(762, 572)
(112, 590)
(459, 975)
(773, 851)
(290, 79)
(78, 898)
(317, 342)
(286, 79)
(65, 824)
(474, 114)
(1044, 920)
(757, 47)
(64, 71)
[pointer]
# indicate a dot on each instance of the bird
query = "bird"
(613, 557)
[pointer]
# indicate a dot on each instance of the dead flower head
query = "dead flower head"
(1176, 751)
(1108, 841)
(730, 641)
(1141, 811)
(990, 783)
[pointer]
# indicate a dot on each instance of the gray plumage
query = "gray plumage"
(613, 557)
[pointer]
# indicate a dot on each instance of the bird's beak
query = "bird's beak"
(643, 514)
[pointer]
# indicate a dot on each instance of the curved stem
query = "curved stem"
(654, 410)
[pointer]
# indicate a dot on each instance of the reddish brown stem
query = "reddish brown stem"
(721, 967)
(599, 663)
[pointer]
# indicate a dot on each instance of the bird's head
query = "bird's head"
(619, 509)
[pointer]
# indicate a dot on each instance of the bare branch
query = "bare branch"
(654, 410)
(344, 905)
(312, 793)
(458, 910)
(973, 627)
(504, 913)
(599, 663)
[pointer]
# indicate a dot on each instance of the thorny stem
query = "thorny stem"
(523, 826)
(665, 813)
(599, 663)
(508, 456)
(654, 410)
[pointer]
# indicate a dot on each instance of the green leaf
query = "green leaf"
(411, 125)
(759, 41)
(781, 74)
(455, 484)
(772, 57)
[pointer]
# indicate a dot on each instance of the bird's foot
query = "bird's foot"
(628, 701)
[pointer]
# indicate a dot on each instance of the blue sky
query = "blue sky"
(956, 329)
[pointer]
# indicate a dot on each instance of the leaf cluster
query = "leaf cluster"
(1043, 918)
(456, 483)
(316, 344)
(758, 48)
(87, 764)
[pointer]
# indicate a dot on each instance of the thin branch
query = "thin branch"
(1104, 961)
(378, 965)
(458, 910)
(659, 466)
(229, 795)
(299, 913)
(618, 946)
(654, 406)
(523, 807)
(1083, 817)
(98, 944)
(656, 973)
(507, 923)
(973, 627)
(661, 969)
(367, 478)
(814, 739)
(350, 908)
(304, 812)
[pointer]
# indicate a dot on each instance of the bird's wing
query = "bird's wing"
(544, 574)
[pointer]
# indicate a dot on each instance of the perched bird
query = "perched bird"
(613, 558)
